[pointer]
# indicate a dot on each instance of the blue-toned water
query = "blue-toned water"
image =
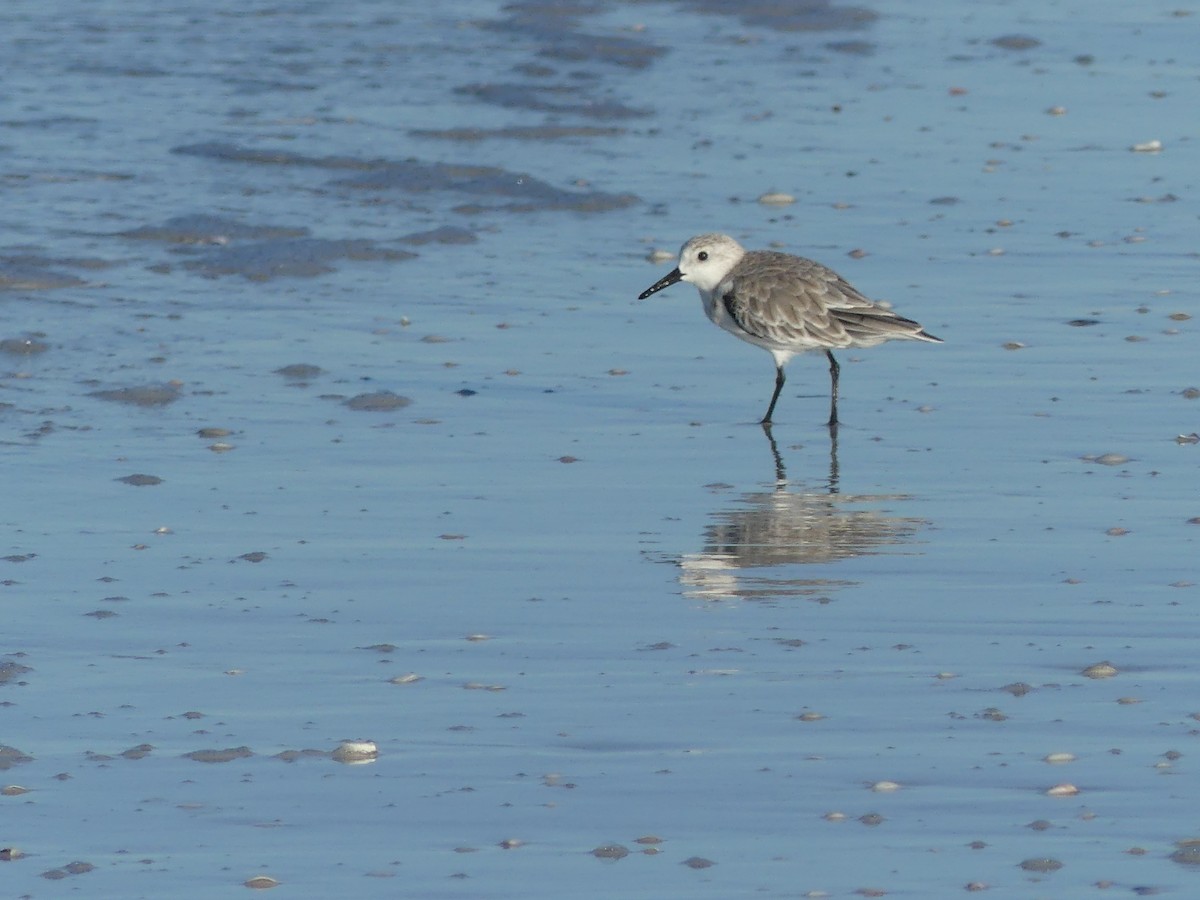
(327, 412)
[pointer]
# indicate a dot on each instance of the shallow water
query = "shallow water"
(570, 589)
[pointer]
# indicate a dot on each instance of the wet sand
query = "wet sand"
(362, 532)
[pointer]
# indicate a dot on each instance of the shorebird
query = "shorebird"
(785, 304)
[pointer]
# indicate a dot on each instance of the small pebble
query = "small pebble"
(356, 751)
(776, 198)
(1100, 670)
(1065, 789)
(261, 882)
(1059, 758)
(885, 787)
(1154, 146)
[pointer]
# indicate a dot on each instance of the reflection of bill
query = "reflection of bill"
(746, 544)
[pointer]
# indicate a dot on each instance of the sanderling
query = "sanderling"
(785, 304)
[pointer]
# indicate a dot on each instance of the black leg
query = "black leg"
(834, 369)
(779, 379)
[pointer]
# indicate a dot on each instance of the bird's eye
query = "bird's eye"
(702, 255)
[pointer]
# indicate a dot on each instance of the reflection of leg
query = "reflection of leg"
(834, 471)
(779, 380)
(834, 370)
(780, 472)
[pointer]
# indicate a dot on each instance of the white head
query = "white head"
(703, 261)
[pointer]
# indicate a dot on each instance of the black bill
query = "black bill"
(665, 282)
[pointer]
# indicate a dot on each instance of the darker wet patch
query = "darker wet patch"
(26, 346)
(1015, 42)
(418, 177)
(71, 868)
(814, 15)
(528, 133)
(299, 372)
(610, 851)
(140, 480)
(447, 234)
(852, 48)
(296, 755)
(26, 272)
(219, 756)
(205, 229)
(11, 756)
(1188, 852)
(294, 258)
(530, 194)
(10, 670)
(559, 99)
(144, 395)
(379, 401)
(259, 252)
(234, 153)
(556, 28)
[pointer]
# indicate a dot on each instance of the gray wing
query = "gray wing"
(793, 301)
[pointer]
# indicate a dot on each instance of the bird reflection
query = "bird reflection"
(746, 544)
